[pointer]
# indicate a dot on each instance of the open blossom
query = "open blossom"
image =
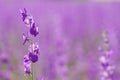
(25, 38)
(34, 48)
(27, 19)
(33, 57)
(27, 64)
(34, 30)
(24, 14)
(33, 52)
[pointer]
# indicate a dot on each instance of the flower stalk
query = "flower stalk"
(106, 66)
(33, 49)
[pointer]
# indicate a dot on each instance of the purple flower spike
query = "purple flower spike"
(34, 30)
(33, 57)
(107, 67)
(33, 53)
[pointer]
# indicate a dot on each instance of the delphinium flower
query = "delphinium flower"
(33, 49)
(107, 68)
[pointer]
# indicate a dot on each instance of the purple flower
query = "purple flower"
(24, 14)
(33, 57)
(34, 49)
(27, 19)
(33, 52)
(25, 38)
(34, 30)
(27, 64)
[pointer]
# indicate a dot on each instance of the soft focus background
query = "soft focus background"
(70, 34)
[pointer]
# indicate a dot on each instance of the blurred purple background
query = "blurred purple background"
(76, 26)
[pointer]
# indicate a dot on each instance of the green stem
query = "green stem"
(32, 72)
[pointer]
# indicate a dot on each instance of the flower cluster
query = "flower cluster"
(28, 20)
(33, 49)
(107, 68)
